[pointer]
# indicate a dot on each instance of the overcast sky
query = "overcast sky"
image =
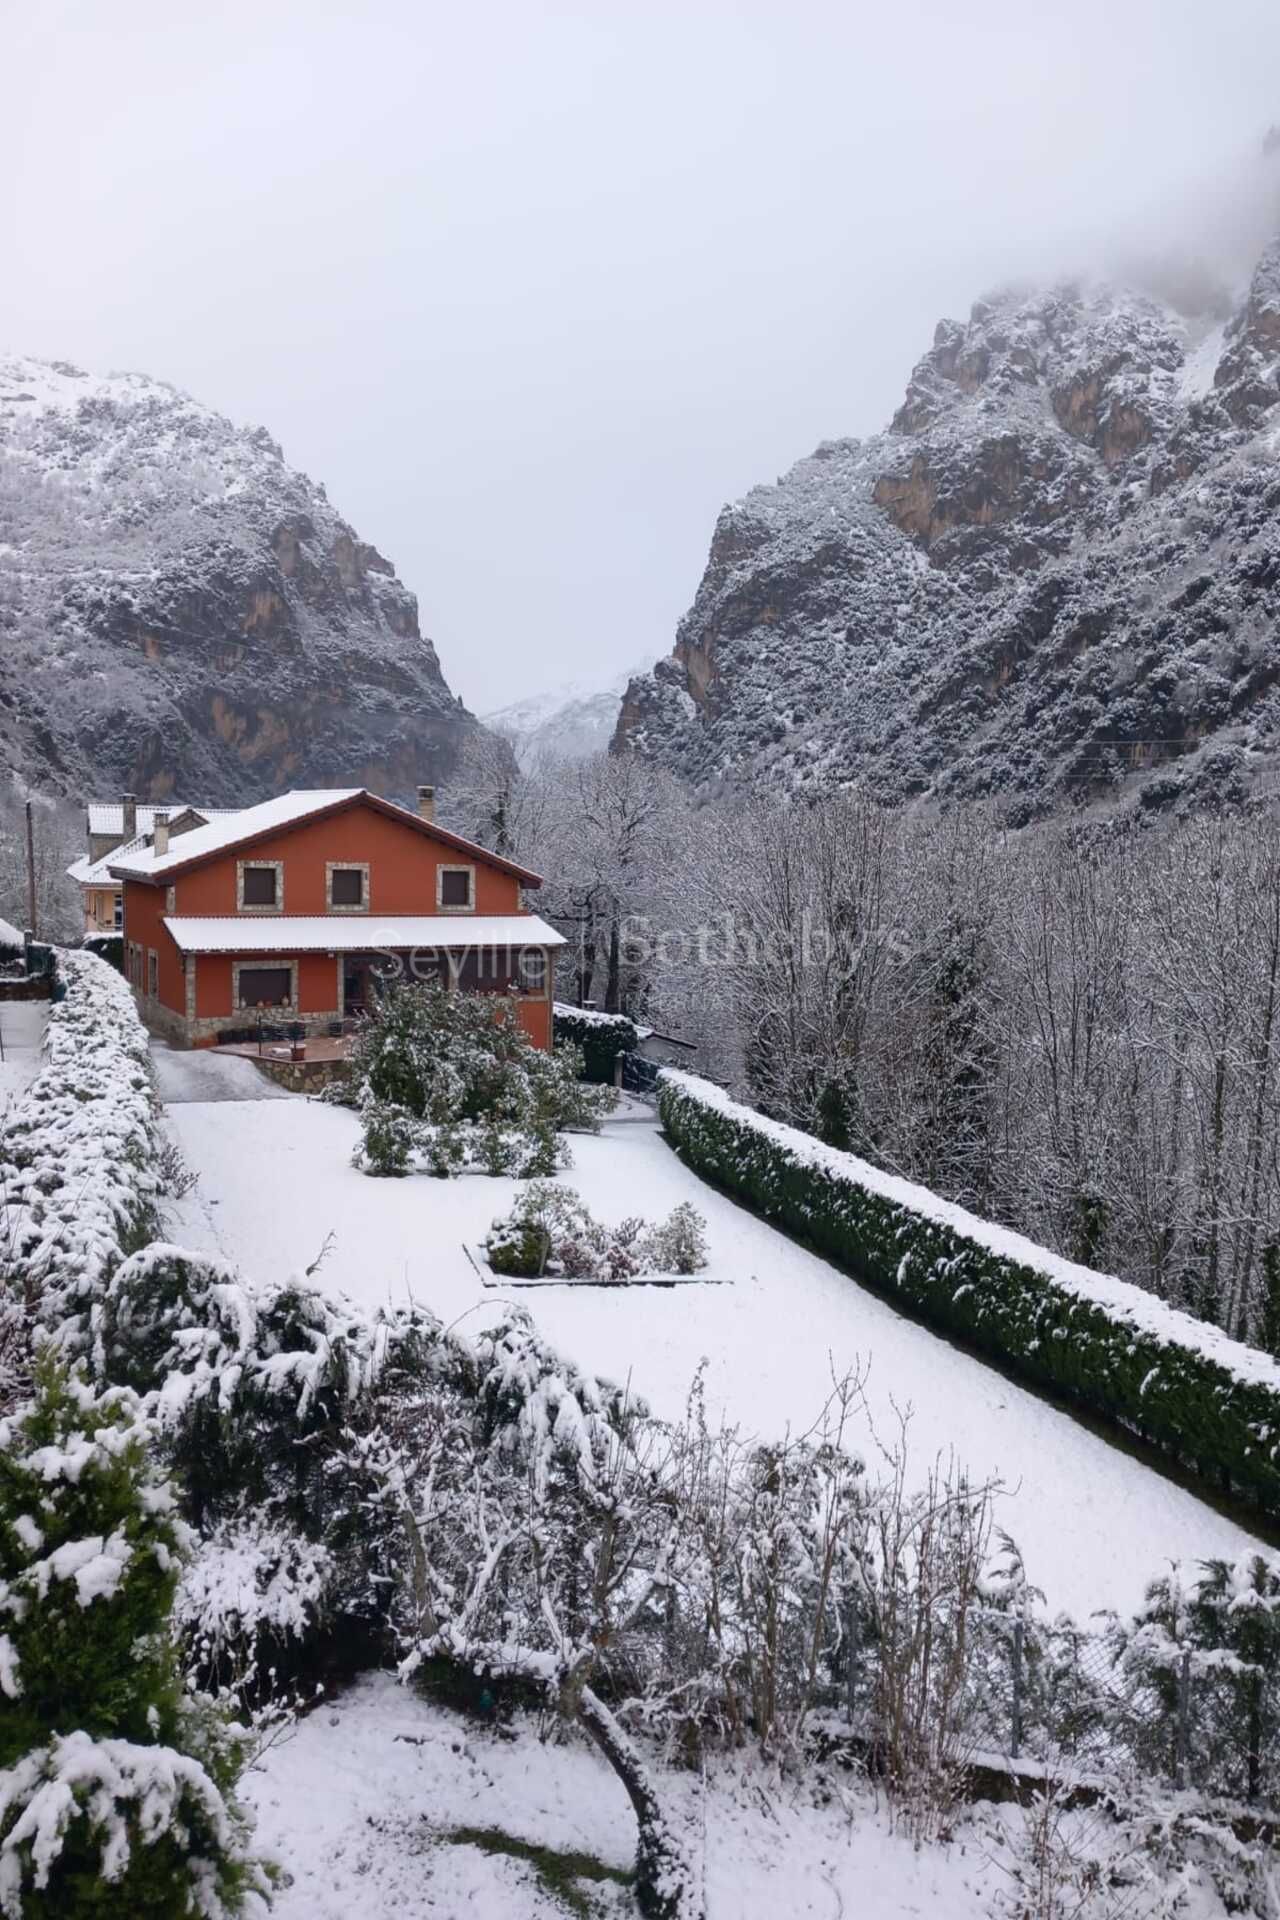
(535, 288)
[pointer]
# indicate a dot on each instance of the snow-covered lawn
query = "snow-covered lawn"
(22, 1025)
(276, 1182)
(359, 1801)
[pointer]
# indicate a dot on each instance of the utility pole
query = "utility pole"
(32, 920)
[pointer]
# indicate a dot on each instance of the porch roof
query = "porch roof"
(357, 932)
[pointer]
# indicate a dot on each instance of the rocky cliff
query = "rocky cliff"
(182, 612)
(1056, 574)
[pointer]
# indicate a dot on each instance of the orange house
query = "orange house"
(297, 911)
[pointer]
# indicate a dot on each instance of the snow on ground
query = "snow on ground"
(275, 1179)
(357, 1803)
(22, 1025)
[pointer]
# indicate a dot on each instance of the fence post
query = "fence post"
(1183, 1747)
(1015, 1743)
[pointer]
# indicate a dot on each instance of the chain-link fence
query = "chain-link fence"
(1112, 1704)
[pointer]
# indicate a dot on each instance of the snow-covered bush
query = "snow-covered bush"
(79, 1152)
(257, 1395)
(116, 1785)
(601, 1038)
(550, 1230)
(454, 1077)
(1183, 1385)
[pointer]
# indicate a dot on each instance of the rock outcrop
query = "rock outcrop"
(182, 612)
(1056, 575)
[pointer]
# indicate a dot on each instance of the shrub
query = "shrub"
(455, 1076)
(116, 1788)
(601, 1038)
(80, 1151)
(1180, 1384)
(389, 1138)
(551, 1230)
(108, 947)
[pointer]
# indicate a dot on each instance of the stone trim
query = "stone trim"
(346, 866)
(153, 974)
(459, 867)
(274, 961)
(278, 907)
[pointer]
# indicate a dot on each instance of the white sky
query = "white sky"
(535, 288)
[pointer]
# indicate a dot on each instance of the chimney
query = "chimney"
(130, 820)
(427, 803)
(160, 834)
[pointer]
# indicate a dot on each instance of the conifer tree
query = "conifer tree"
(116, 1784)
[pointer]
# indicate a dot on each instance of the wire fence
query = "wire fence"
(1112, 1705)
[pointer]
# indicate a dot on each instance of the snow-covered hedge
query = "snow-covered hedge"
(1178, 1382)
(79, 1150)
(602, 1037)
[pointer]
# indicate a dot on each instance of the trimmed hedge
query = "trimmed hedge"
(79, 1148)
(602, 1037)
(1179, 1383)
(108, 947)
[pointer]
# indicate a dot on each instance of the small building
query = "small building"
(110, 828)
(301, 910)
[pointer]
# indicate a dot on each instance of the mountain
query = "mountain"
(571, 721)
(183, 612)
(1056, 574)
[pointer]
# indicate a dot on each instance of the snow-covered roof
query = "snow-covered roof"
(287, 810)
(9, 934)
(358, 933)
(97, 873)
(107, 816)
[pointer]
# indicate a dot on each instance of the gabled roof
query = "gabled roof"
(97, 873)
(284, 811)
(358, 932)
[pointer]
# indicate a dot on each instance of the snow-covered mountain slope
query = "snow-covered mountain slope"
(1057, 573)
(567, 722)
(182, 611)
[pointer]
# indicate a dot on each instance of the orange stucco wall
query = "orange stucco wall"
(402, 867)
(144, 911)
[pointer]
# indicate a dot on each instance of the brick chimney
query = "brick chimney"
(130, 816)
(427, 803)
(160, 834)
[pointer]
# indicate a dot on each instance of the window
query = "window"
(453, 887)
(153, 972)
(533, 969)
(117, 912)
(346, 886)
(266, 986)
(258, 887)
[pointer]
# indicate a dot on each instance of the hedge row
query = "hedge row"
(1180, 1384)
(603, 1037)
(79, 1150)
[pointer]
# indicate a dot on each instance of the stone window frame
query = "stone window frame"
(346, 866)
(153, 974)
(253, 966)
(278, 904)
(456, 867)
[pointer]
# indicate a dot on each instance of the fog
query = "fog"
(535, 289)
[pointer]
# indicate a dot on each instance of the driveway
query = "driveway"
(198, 1076)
